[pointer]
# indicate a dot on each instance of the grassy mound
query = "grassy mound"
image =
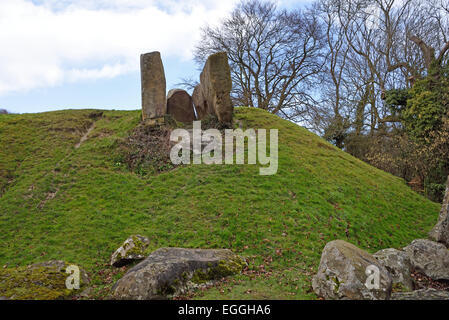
(78, 202)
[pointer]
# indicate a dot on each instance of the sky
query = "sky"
(76, 54)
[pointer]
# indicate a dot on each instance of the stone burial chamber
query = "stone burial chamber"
(212, 96)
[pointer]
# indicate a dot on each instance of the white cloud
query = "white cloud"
(47, 42)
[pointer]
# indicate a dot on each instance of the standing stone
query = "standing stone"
(180, 105)
(343, 274)
(200, 103)
(154, 103)
(440, 232)
(216, 86)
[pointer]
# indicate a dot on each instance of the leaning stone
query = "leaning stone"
(154, 104)
(343, 274)
(440, 232)
(430, 258)
(216, 85)
(168, 272)
(398, 265)
(201, 107)
(180, 106)
(424, 294)
(40, 281)
(132, 249)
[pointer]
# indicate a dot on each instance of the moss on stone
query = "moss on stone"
(139, 247)
(200, 276)
(36, 283)
(337, 284)
(223, 269)
(399, 287)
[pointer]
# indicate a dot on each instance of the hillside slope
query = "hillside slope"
(78, 204)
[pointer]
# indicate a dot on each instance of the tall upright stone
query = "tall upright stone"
(440, 232)
(180, 105)
(216, 85)
(154, 104)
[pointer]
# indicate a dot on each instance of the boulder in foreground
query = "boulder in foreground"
(398, 265)
(430, 258)
(344, 273)
(168, 272)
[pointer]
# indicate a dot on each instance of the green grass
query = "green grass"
(79, 205)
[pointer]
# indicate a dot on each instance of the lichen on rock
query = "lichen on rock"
(41, 281)
(342, 274)
(131, 250)
(169, 272)
(430, 258)
(399, 266)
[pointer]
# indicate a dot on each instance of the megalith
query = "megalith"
(154, 103)
(180, 105)
(216, 85)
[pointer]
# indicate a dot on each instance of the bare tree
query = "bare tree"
(333, 120)
(425, 29)
(274, 56)
(373, 47)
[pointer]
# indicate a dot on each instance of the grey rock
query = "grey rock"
(154, 104)
(131, 250)
(430, 258)
(440, 233)
(168, 272)
(180, 106)
(200, 102)
(343, 274)
(216, 85)
(398, 265)
(424, 294)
